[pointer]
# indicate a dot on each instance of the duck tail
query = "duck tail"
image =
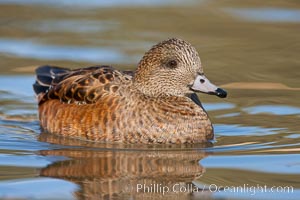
(45, 76)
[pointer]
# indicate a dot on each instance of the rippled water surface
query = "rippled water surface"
(250, 48)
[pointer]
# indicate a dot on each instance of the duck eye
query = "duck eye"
(172, 64)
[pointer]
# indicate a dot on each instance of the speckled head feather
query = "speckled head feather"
(168, 68)
(154, 104)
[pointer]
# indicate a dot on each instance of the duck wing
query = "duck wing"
(79, 86)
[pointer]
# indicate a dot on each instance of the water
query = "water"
(250, 48)
(268, 14)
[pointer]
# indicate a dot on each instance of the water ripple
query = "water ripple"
(273, 110)
(37, 188)
(284, 163)
(218, 106)
(33, 49)
(266, 14)
(74, 26)
(97, 3)
(238, 130)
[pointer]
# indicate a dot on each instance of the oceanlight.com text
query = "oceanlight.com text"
(189, 188)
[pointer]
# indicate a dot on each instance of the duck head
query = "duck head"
(173, 68)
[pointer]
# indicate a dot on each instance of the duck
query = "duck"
(157, 103)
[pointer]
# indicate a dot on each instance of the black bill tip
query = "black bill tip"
(221, 93)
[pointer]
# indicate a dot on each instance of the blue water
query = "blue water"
(39, 188)
(273, 110)
(280, 163)
(268, 14)
(95, 3)
(33, 49)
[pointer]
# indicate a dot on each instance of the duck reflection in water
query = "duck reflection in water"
(108, 171)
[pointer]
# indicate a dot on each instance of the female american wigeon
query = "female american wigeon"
(155, 104)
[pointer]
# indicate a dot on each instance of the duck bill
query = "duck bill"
(202, 84)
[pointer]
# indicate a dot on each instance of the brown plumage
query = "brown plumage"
(154, 104)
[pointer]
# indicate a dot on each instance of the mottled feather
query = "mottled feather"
(80, 86)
